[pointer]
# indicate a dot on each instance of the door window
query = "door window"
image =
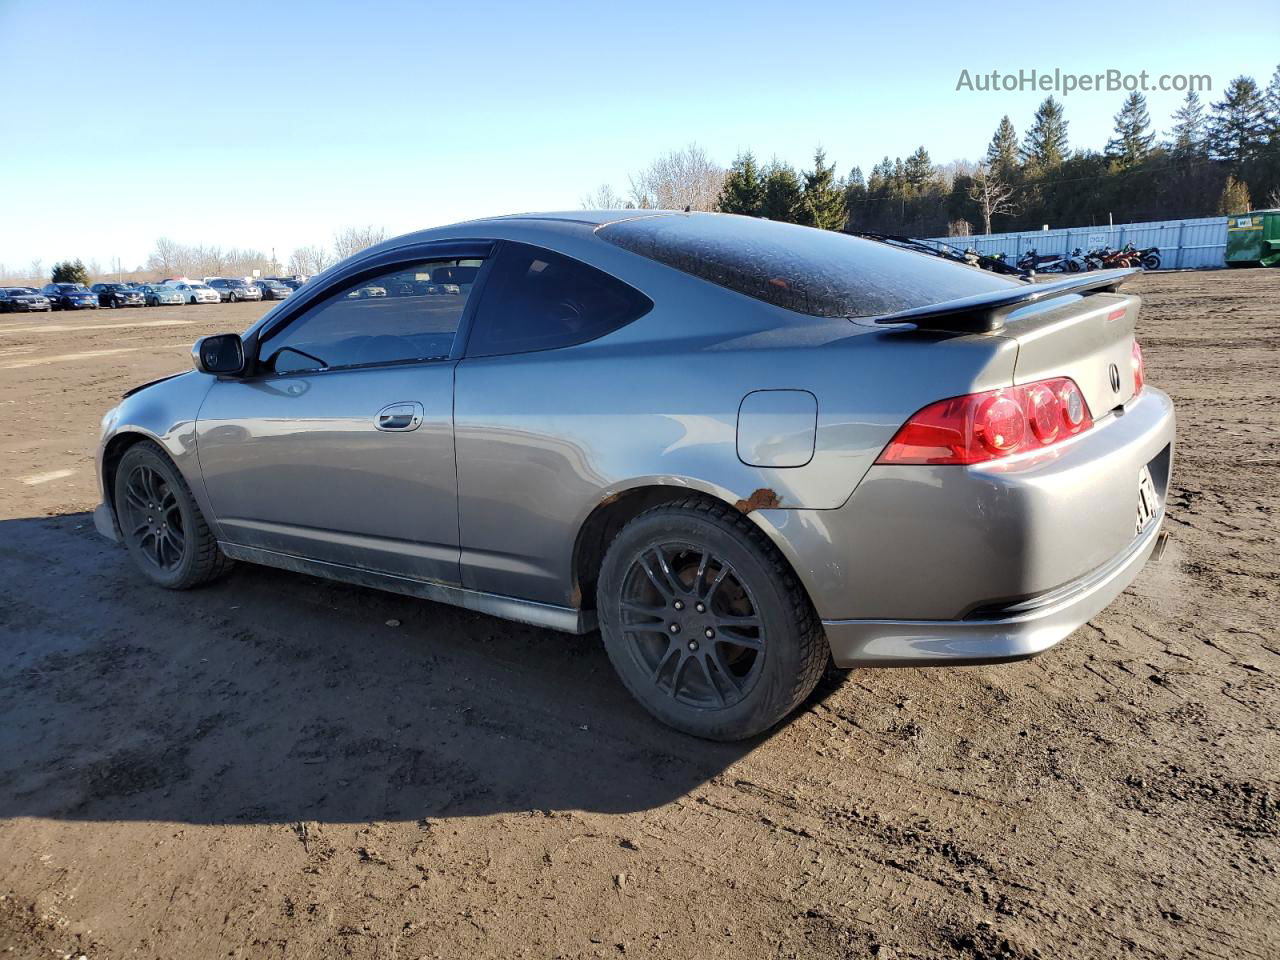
(538, 300)
(410, 313)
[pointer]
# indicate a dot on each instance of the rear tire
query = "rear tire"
(160, 523)
(705, 623)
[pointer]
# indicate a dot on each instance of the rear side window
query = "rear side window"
(818, 272)
(538, 300)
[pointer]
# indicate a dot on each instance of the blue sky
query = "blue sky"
(273, 124)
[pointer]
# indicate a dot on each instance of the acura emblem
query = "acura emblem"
(1114, 373)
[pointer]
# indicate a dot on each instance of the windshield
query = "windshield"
(72, 288)
(199, 286)
(818, 272)
(18, 291)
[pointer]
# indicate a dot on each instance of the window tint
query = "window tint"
(400, 315)
(819, 272)
(537, 300)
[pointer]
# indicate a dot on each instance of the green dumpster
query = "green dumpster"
(1253, 239)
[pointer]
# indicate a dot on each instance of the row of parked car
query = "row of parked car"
(170, 291)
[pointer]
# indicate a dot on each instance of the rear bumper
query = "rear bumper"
(1035, 628)
(928, 564)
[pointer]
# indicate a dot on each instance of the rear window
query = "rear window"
(818, 272)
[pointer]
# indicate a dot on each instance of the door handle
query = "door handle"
(399, 417)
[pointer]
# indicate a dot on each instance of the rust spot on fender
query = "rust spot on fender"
(762, 499)
(575, 596)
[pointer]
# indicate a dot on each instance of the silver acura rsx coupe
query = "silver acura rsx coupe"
(739, 448)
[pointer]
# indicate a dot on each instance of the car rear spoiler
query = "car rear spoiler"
(986, 312)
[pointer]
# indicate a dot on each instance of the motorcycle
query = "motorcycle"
(1149, 258)
(1075, 262)
(1041, 263)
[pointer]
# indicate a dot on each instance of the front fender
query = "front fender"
(164, 413)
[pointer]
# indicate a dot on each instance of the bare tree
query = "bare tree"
(308, 261)
(36, 273)
(352, 240)
(683, 178)
(993, 195)
(164, 259)
(604, 197)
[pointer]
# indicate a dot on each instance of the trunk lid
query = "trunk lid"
(1089, 339)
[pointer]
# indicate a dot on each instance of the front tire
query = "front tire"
(160, 523)
(705, 623)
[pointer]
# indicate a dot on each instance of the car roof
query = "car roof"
(594, 218)
(525, 225)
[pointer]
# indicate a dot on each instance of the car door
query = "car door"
(522, 413)
(338, 446)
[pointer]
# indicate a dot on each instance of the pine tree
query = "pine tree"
(1238, 123)
(918, 170)
(1132, 141)
(1272, 105)
(743, 190)
(855, 195)
(781, 193)
(822, 203)
(1186, 139)
(1002, 152)
(881, 175)
(70, 272)
(1045, 146)
(1235, 198)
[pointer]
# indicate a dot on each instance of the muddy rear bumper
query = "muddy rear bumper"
(1030, 628)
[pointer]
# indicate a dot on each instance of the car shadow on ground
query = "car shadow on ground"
(276, 697)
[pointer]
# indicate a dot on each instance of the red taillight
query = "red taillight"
(991, 425)
(1139, 371)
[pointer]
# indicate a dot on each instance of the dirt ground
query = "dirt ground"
(269, 768)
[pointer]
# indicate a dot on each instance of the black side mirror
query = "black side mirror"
(222, 354)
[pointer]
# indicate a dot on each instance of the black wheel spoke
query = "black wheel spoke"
(643, 609)
(665, 567)
(654, 628)
(680, 602)
(664, 589)
(713, 658)
(715, 584)
(673, 651)
(716, 693)
(135, 497)
(751, 643)
(675, 677)
(701, 575)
